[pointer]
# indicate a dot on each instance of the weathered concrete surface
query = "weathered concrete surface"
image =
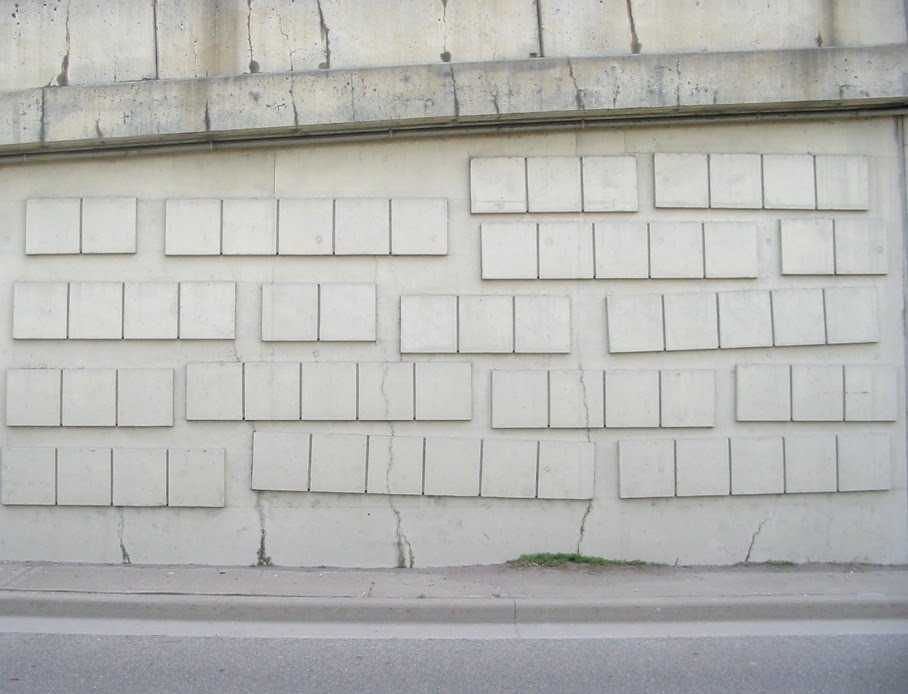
(382, 99)
(79, 42)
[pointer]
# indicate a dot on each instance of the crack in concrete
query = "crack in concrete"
(207, 118)
(578, 92)
(253, 63)
(121, 526)
(43, 133)
(63, 77)
(753, 539)
(261, 556)
(586, 513)
(326, 36)
(445, 56)
(495, 102)
(296, 115)
(280, 28)
(538, 4)
(154, 17)
(454, 92)
(635, 41)
(98, 131)
(678, 83)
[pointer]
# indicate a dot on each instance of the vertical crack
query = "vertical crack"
(63, 77)
(538, 4)
(326, 36)
(43, 115)
(586, 513)
(635, 42)
(207, 118)
(121, 526)
(445, 55)
(578, 92)
(753, 539)
(454, 92)
(262, 558)
(253, 63)
(405, 559)
(154, 16)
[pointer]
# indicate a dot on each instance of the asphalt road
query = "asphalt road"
(79, 663)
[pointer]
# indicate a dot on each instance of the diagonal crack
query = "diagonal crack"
(326, 36)
(586, 513)
(753, 539)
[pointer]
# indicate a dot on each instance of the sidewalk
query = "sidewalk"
(462, 595)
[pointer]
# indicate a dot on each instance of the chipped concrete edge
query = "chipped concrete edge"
(452, 97)
(489, 611)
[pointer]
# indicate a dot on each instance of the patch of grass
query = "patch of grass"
(566, 559)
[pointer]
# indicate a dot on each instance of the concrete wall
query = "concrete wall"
(80, 42)
(801, 459)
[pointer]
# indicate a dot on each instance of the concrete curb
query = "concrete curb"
(480, 611)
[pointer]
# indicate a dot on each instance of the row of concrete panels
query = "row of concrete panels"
(329, 391)
(306, 226)
(592, 398)
(726, 181)
(816, 392)
(739, 319)
(652, 468)
(89, 397)
(428, 466)
(80, 225)
(499, 324)
(840, 246)
(176, 477)
(618, 250)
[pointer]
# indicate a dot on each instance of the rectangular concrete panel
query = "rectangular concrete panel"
(151, 310)
(553, 184)
(542, 324)
(702, 467)
(632, 399)
(28, 476)
(843, 182)
(452, 466)
(214, 391)
(576, 399)
(788, 182)
(817, 393)
(681, 180)
(207, 310)
(84, 477)
(486, 324)
(498, 184)
(635, 323)
(865, 462)
(676, 250)
(566, 470)
(89, 397)
(271, 391)
(609, 184)
(419, 226)
(688, 398)
(798, 317)
(347, 312)
(95, 311)
(735, 181)
(745, 319)
(33, 397)
(444, 391)
(145, 397)
(757, 465)
(362, 226)
(565, 250)
(810, 464)
(109, 225)
(646, 468)
(622, 250)
(871, 393)
(280, 461)
(338, 463)
(249, 227)
(428, 324)
(860, 247)
(691, 321)
(139, 477)
(730, 249)
(196, 477)
(328, 391)
(290, 312)
(40, 310)
(192, 227)
(395, 465)
(53, 226)
(807, 246)
(385, 391)
(305, 226)
(763, 393)
(851, 315)
(509, 250)
(520, 399)
(509, 468)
